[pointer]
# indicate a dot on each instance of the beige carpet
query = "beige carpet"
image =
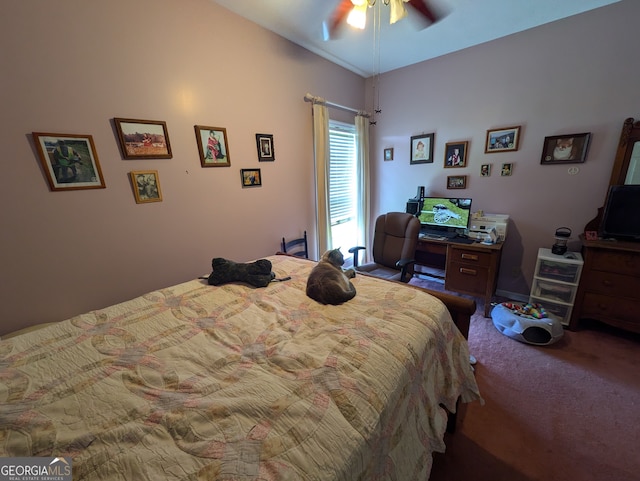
(569, 411)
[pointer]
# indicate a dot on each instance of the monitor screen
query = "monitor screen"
(443, 212)
(621, 218)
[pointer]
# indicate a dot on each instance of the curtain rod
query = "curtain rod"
(320, 100)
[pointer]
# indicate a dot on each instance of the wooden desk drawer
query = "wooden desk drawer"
(467, 278)
(611, 284)
(617, 261)
(469, 256)
(611, 309)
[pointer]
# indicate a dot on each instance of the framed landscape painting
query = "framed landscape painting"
(143, 139)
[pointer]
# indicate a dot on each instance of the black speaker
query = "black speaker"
(413, 207)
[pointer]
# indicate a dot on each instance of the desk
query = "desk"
(468, 268)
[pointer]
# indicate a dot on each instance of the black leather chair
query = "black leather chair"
(296, 247)
(394, 246)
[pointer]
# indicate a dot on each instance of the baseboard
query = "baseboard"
(516, 296)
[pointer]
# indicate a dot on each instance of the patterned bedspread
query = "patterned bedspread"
(238, 383)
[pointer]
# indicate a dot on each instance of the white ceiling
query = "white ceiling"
(465, 23)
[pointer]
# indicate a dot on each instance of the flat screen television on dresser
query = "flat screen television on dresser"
(621, 217)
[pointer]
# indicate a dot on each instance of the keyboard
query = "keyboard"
(463, 240)
(432, 236)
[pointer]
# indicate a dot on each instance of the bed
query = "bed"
(232, 382)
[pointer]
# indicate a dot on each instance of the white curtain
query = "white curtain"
(362, 146)
(321, 156)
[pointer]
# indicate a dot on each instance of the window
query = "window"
(343, 193)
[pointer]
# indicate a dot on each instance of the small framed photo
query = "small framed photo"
(455, 154)
(502, 140)
(507, 169)
(388, 154)
(456, 182)
(565, 149)
(146, 186)
(485, 170)
(591, 235)
(143, 139)
(264, 143)
(422, 149)
(213, 146)
(70, 162)
(251, 177)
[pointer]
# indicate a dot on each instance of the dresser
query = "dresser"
(609, 289)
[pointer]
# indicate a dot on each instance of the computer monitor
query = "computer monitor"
(443, 213)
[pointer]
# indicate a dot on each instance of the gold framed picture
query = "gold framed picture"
(146, 186)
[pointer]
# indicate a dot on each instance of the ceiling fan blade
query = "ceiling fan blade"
(337, 19)
(425, 10)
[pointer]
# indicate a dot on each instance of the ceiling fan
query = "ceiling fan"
(354, 13)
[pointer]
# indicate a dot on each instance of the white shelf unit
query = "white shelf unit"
(555, 282)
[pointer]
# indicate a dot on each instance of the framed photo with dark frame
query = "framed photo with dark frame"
(388, 154)
(143, 139)
(456, 182)
(505, 139)
(422, 149)
(264, 144)
(146, 186)
(565, 149)
(213, 146)
(251, 177)
(70, 161)
(455, 154)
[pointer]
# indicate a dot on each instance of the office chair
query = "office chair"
(296, 247)
(394, 245)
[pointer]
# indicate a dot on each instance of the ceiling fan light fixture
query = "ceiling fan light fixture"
(358, 16)
(397, 11)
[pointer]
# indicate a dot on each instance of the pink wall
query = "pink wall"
(75, 65)
(71, 66)
(571, 76)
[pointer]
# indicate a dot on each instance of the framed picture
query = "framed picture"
(507, 169)
(455, 154)
(502, 140)
(591, 235)
(146, 186)
(264, 143)
(422, 149)
(143, 139)
(456, 182)
(388, 154)
(485, 170)
(213, 146)
(251, 177)
(70, 162)
(565, 149)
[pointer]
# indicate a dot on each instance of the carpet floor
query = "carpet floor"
(569, 411)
